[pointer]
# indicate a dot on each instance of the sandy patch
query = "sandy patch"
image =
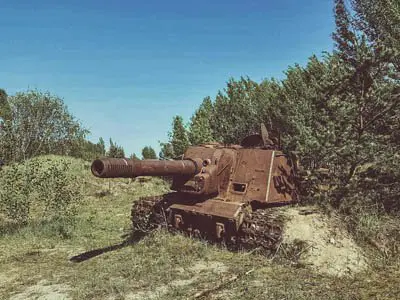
(330, 248)
(44, 291)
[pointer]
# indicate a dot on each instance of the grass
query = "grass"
(162, 265)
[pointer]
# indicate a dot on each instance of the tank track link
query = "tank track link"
(261, 231)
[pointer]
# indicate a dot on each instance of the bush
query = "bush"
(42, 190)
(14, 193)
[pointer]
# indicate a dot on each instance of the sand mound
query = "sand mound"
(330, 249)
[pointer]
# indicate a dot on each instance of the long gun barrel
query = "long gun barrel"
(128, 168)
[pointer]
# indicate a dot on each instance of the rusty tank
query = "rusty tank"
(221, 193)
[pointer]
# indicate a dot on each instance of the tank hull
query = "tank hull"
(243, 228)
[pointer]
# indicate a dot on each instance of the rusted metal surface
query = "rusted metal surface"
(212, 217)
(128, 168)
(229, 210)
(218, 188)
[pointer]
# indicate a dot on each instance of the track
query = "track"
(261, 231)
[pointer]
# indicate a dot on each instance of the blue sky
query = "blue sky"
(125, 68)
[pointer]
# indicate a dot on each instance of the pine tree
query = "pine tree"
(200, 129)
(167, 151)
(101, 146)
(178, 137)
(133, 156)
(365, 98)
(379, 20)
(299, 112)
(115, 151)
(238, 110)
(148, 153)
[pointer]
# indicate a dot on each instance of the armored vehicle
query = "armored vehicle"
(222, 193)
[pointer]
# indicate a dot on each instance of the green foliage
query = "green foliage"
(101, 147)
(133, 156)
(340, 112)
(56, 186)
(178, 136)
(115, 151)
(300, 112)
(15, 200)
(200, 128)
(43, 189)
(34, 123)
(238, 110)
(178, 139)
(379, 20)
(87, 150)
(5, 113)
(38, 123)
(167, 151)
(148, 153)
(367, 101)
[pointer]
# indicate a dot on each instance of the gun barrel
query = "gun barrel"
(128, 168)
